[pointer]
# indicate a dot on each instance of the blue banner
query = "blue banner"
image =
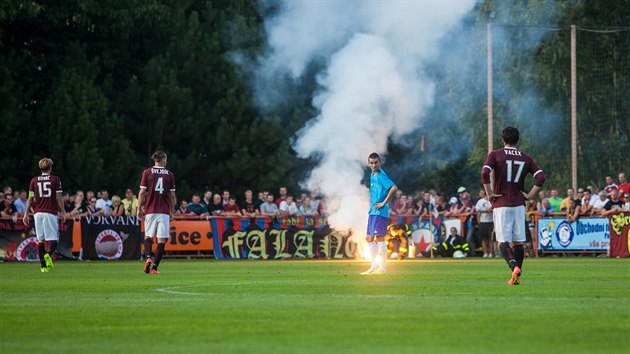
(584, 234)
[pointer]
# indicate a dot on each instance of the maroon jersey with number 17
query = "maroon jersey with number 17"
(159, 183)
(510, 167)
(44, 191)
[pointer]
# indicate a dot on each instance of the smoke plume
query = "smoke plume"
(374, 85)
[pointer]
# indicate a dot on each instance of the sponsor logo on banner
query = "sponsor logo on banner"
(109, 244)
(585, 234)
(27, 250)
(564, 234)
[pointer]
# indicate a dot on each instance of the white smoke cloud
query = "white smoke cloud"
(373, 86)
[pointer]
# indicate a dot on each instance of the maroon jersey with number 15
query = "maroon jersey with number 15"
(44, 191)
(510, 167)
(159, 183)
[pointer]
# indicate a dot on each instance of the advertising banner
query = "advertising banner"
(620, 234)
(190, 235)
(584, 234)
(18, 241)
(111, 237)
(264, 238)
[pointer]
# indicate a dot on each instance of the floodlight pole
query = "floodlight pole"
(489, 51)
(573, 111)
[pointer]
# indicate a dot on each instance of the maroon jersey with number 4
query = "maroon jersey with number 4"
(44, 191)
(510, 167)
(159, 183)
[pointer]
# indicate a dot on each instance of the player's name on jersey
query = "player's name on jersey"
(159, 171)
(512, 152)
(43, 178)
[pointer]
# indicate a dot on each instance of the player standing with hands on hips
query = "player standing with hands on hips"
(382, 189)
(157, 188)
(507, 196)
(44, 195)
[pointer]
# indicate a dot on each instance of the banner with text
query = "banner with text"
(265, 238)
(18, 241)
(620, 234)
(111, 237)
(584, 234)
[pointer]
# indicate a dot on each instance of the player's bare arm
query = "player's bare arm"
(173, 203)
(533, 192)
(141, 195)
(60, 205)
(390, 194)
(29, 201)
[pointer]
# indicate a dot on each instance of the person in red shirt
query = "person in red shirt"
(510, 167)
(45, 196)
(624, 186)
(156, 203)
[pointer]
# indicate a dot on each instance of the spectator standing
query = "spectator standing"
(117, 208)
(231, 208)
(248, 206)
(226, 196)
(104, 203)
(614, 205)
(586, 206)
(92, 210)
(483, 208)
(600, 203)
(182, 208)
(565, 202)
(9, 211)
(130, 203)
(207, 198)
(626, 204)
(20, 202)
(79, 206)
(573, 211)
(307, 207)
(196, 208)
(281, 196)
(624, 187)
(216, 207)
(610, 185)
(269, 209)
(288, 207)
(555, 200)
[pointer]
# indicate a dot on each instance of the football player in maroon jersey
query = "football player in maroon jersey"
(156, 203)
(510, 167)
(44, 195)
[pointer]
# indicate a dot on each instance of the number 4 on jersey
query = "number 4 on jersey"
(159, 186)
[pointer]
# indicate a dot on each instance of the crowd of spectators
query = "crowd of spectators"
(586, 201)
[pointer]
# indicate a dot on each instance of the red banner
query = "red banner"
(619, 234)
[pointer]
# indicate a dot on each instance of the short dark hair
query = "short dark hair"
(158, 156)
(510, 135)
(374, 156)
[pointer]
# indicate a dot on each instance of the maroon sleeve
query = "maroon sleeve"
(172, 188)
(58, 188)
(487, 168)
(539, 175)
(143, 180)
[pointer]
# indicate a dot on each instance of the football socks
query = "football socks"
(158, 257)
(508, 254)
(41, 250)
(382, 251)
(148, 244)
(52, 247)
(519, 254)
(373, 253)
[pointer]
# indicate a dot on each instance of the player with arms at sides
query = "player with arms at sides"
(382, 189)
(44, 195)
(156, 203)
(510, 167)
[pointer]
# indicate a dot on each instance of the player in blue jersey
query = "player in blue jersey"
(382, 189)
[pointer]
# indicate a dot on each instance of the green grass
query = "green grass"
(564, 305)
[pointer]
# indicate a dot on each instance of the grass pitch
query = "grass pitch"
(576, 305)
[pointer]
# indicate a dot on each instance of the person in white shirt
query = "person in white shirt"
(288, 207)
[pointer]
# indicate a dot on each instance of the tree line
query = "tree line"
(99, 85)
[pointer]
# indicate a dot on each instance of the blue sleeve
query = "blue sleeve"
(386, 182)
